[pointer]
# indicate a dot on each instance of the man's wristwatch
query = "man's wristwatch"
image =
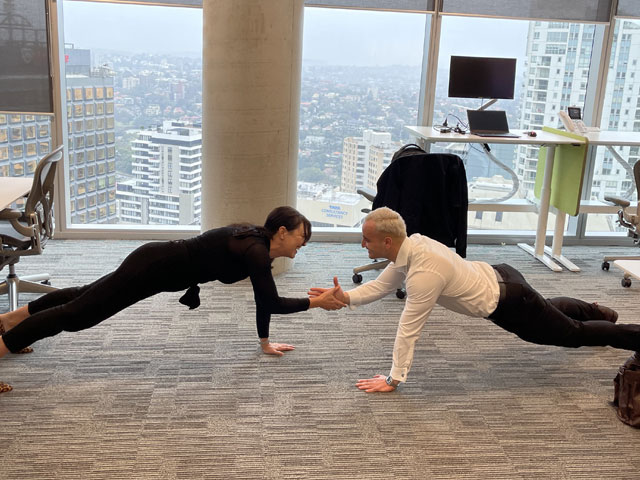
(389, 381)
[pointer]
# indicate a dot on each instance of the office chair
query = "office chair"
(429, 191)
(630, 221)
(25, 232)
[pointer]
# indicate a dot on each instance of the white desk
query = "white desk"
(548, 139)
(12, 188)
(630, 268)
(613, 139)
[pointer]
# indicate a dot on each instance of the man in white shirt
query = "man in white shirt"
(434, 274)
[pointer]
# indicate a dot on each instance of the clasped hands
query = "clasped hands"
(328, 298)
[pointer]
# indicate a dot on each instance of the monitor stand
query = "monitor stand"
(488, 104)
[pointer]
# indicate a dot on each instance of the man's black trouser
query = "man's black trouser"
(562, 321)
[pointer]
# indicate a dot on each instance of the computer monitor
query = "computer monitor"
(482, 77)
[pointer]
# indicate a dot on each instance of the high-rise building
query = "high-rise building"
(364, 159)
(91, 148)
(24, 139)
(556, 76)
(167, 173)
(556, 71)
(621, 110)
(325, 206)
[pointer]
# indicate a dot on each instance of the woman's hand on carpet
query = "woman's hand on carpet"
(277, 348)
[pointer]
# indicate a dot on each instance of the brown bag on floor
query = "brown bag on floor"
(627, 391)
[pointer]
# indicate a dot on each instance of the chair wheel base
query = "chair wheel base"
(357, 278)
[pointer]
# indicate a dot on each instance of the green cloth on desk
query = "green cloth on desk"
(568, 172)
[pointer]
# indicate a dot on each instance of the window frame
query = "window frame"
(594, 103)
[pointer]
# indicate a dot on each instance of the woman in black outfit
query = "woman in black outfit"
(227, 254)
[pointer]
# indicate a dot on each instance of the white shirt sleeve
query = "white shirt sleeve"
(423, 290)
(388, 281)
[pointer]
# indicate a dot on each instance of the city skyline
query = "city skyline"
(331, 36)
(339, 103)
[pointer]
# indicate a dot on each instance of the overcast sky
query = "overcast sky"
(331, 36)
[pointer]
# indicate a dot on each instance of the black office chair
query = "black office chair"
(429, 191)
(25, 232)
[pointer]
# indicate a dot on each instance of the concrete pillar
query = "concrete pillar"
(251, 99)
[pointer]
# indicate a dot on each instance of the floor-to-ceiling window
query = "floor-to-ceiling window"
(134, 113)
(133, 103)
(552, 72)
(361, 74)
(612, 170)
(25, 87)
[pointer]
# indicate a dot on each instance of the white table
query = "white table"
(630, 268)
(12, 188)
(542, 138)
(613, 139)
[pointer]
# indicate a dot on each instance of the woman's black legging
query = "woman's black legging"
(150, 269)
(562, 321)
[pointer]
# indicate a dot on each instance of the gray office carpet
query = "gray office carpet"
(159, 391)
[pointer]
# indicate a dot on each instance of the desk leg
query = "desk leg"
(556, 248)
(543, 214)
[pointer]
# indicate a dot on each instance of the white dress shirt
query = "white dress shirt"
(432, 274)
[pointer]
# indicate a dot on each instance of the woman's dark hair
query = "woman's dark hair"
(289, 218)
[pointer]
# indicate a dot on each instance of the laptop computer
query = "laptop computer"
(489, 123)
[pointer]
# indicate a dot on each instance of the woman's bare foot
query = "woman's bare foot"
(11, 319)
(4, 387)
(3, 348)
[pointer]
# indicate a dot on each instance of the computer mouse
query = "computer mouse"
(532, 134)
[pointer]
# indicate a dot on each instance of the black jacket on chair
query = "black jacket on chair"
(430, 192)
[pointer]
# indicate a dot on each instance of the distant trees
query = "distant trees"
(313, 175)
